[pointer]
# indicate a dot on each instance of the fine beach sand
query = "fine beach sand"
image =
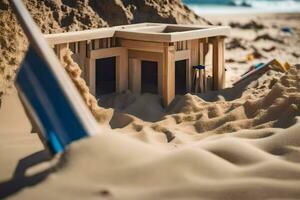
(238, 143)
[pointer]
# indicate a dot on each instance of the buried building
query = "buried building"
(145, 58)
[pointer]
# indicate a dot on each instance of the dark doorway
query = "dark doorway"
(105, 75)
(180, 77)
(149, 77)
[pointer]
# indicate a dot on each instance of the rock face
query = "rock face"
(70, 15)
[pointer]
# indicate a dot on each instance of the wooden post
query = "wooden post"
(122, 71)
(218, 63)
(61, 50)
(113, 42)
(135, 75)
(91, 75)
(104, 43)
(203, 50)
(76, 44)
(184, 46)
(82, 56)
(96, 44)
(168, 73)
(188, 75)
(108, 43)
(193, 46)
(160, 65)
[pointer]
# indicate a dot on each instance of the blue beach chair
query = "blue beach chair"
(47, 91)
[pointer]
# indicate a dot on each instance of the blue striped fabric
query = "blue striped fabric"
(40, 89)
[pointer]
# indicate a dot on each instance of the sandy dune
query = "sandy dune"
(183, 156)
(243, 165)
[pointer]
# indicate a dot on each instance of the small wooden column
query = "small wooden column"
(193, 46)
(90, 68)
(61, 50)
(91, 75)
(122, 71)
(168, 71)
(188, 75)
(82, 57)
(135, 75)
(218, 63)
(203, 50)
(160, 65)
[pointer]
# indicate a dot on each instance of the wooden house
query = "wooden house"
(147, 57)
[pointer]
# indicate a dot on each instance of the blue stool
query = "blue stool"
(199, 67)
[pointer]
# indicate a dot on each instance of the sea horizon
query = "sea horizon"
(206, 7)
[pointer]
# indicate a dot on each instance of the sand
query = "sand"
(142, 163)
(262, 36)
(238, 143)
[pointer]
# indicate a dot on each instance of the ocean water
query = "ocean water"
(243, 6)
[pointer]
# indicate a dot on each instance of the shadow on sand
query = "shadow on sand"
(20, 180)
(232, 93)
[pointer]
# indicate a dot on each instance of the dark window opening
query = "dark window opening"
(105, 76)
(149, 77)
(180, 77)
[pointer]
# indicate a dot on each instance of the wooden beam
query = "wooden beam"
(61, 50)
(184, 45)
(88, 47)
(82, 54)
(160, 65)
(122, 71)
(142, 32)
(218, 63)
(104, 43)
(203, 50)
(188, 75)
(113, 42)
(135, 75)
(193, 46)
(91, 75)
(182, 55)
(168, 72)
(144, 55)
(96, 44)
(142, 45)
(76, 36)
(176, 46)
(142, 36)
(198, 32)
(108, 52)
(108, 43)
